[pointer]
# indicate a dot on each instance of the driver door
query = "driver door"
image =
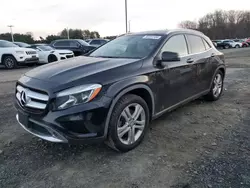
(177, 78)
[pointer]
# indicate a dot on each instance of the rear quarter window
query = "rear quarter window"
(207, 45)
(196, 44)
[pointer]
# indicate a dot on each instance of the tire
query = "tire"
(52, 58)
(237, 46)
(125, 142)
(9, 62)
(212, 95)
(244, 46)
(226, 46)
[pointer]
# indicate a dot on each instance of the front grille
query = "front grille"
(31, 99)
(30, 52)
(69, 56)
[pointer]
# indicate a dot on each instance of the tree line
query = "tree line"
(216, 25)
(73, 34)
(222, 24)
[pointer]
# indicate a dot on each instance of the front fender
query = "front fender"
(116, 88)
(119, 89)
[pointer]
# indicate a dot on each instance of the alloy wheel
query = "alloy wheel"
(131, 124)
(217, 85)
(9, 63)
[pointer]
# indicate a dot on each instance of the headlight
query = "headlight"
(20, 52)
(76, 95)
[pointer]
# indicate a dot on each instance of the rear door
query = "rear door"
(201, 53)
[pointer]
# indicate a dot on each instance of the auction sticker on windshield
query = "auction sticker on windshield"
(151, 37)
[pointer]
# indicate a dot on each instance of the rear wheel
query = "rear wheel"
(237, 46)
(226, 46)
(128, 124)
(52, 58)
(9, 62)
(217, 87)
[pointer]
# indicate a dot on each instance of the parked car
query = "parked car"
(112, 94)
(222, 44)
(48, 54)
(233, 43)
(12, 55)
(96, 42)
(78, 46)
(248, 41)
(244, 44)
(22, 44)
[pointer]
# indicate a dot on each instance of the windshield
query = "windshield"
(128, 46)
(45, 48)
(83, 42)
(22, 44)
(7, 44)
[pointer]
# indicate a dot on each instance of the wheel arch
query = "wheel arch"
(52, 55)
(221, 68)
(5, 55)
(140, 89)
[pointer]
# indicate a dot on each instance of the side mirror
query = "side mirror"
(169, 56)
(78, 45)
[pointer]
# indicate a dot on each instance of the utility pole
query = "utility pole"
(68, 32)
(129, 26)
(12, 38)
(126, 16)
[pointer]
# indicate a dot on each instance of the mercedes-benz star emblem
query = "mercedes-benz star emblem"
(23, 98)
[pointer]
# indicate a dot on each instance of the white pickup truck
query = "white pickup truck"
(11, 55)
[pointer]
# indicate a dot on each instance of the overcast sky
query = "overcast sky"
(106, 16)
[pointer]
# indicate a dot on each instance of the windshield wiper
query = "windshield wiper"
(105, 56)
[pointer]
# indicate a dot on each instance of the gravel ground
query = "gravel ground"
(198, 145)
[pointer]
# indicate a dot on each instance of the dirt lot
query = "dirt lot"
(201, 145)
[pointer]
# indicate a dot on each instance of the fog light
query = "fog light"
(76, 117)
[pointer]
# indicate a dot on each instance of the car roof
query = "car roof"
(167, 32)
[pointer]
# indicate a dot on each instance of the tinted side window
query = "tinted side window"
(95, 42)
(207, 46)
(196, 44)
(74, 44)
(176, 44)
(61, 43)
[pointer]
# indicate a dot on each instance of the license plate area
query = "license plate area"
(23, 118)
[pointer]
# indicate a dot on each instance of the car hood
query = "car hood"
(20, 49)
(80, 67)
(64, 51)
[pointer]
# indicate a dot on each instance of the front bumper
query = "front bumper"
(29, 60)
(66, 56)
(80, 124)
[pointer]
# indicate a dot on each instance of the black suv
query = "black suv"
(96, 42)
(113, 93)
(78, 46)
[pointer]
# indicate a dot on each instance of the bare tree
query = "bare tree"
(222, 24)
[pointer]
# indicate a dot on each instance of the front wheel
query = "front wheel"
(10, 62)
(217, 87)
(128, 124)
(52, 58)
(237, 46)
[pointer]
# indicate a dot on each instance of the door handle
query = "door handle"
(190, 60)
(212, 55)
